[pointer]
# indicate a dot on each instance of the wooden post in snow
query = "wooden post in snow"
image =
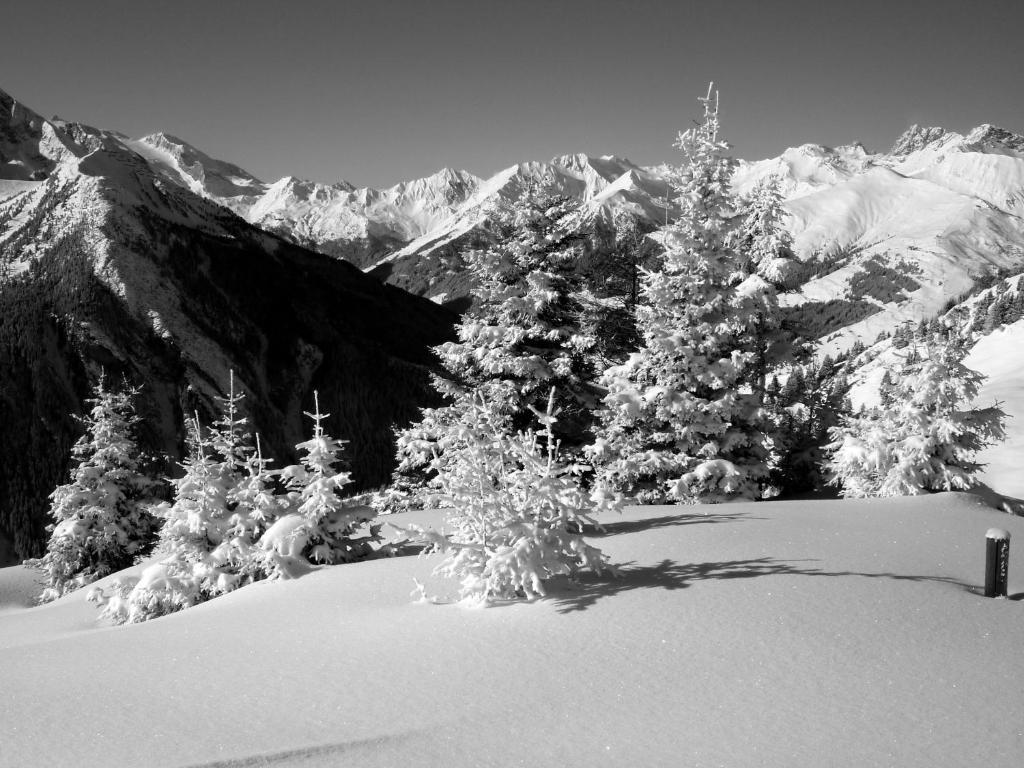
(997, 562)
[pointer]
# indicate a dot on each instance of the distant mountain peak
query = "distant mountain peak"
(23, 155)
(986, 138)
(452, 174)
(188, 155)
(992, 137)
(916, 138)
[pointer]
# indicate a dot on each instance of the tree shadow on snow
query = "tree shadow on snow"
(666, 521)
(996, 500)
(579, 595)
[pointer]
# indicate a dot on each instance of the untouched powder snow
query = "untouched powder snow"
(805, 633)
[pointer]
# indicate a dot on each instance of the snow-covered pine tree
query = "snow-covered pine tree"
(522, 336)
(762, 239)
(765, 248)
(229, 438)
(102, 521)
(803, 411)
(256, 507)
(204, 544)
(194, 524)
(925, 436)
(683, 420)
(516, 510)
(996, 310)
(319, 525)
(250, 499)
(612, 273)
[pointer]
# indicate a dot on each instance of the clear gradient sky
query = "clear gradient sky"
(379, 91)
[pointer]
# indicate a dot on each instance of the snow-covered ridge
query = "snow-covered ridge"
(202, 174)
(30, 146)
(351, 222)
(942, 209)
(950, 204)
(916, 138)
(604, 183)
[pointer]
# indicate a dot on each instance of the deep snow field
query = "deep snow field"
(795, 633)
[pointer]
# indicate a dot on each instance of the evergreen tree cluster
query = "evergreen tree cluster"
(805, 408)
(1001, 305)
(524, 336)
(707, 394)
(671, 406)
(684, 416)
(925, 435)
(231, 520)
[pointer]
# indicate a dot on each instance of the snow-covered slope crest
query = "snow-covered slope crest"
(30, 147)
(357, 224)
(838, 633)
(894, 238)
(949, 205)
(806, 169)
(183, 164)
(432, 265)
(360, 224)
(604, 183)
(887, 237)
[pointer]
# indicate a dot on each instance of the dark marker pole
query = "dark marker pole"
(997, 562)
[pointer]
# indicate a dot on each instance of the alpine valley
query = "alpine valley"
(149, 259)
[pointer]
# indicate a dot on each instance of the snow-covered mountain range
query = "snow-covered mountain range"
(888, 237)
(895, 236)
(400, 231)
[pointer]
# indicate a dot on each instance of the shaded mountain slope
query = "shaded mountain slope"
(104, 266)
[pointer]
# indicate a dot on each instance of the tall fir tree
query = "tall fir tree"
(681, 420)
(101, 518)
(523, 336)
(925, 436)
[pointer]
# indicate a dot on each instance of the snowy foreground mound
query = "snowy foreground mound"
(840, 633)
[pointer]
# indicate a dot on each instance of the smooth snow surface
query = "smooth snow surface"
(840, 633)
(19, 588)
(10, 188)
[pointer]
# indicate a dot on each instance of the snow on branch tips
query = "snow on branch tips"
(684, 417)
(101, 516)
(925, 436)
(517, 511)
